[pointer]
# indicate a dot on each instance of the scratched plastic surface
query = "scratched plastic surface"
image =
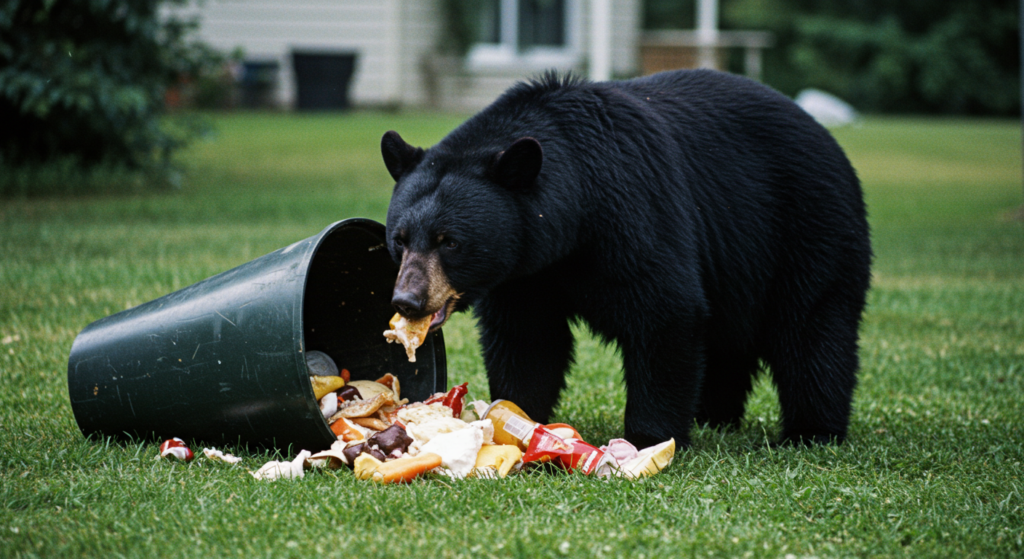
(223, 360)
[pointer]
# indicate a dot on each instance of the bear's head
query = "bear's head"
(455, 221)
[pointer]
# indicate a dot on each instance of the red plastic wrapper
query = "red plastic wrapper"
(454, 398)
(175, 448)
(571, 454)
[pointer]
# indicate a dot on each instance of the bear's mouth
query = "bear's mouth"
(438, 319)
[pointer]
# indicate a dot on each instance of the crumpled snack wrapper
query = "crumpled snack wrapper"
(569, 453)
(175, 448)
(621, 450)
(649, 461)
(275, 470)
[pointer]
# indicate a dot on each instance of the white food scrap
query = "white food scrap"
(214, 454)
(274, 469)
(458, 451)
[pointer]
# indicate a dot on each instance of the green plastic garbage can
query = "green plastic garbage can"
(223, 360)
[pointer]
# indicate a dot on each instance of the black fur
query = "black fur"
(700, 220)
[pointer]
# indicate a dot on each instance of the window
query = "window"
(532, 33)
(541, 23)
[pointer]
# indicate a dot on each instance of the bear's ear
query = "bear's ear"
(399, 157)
(518, 166)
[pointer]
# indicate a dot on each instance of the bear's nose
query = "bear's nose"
(407, 303)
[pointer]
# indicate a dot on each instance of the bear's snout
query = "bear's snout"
(422, 289)
(407, 303)
(412, 287)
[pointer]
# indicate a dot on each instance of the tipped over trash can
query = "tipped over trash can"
(223, 360)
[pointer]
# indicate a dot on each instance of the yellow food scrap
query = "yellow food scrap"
(499, 457)
(323, 385)
(650, 461)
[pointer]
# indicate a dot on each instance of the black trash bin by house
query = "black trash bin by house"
(258, 84)
(322, 79)
(223, 360)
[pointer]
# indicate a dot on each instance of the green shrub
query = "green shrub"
(82, 85)
(922, 56)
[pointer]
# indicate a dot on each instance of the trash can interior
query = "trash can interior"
(346, 308)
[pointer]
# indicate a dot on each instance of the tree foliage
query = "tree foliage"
(84, 81)
(931, 56)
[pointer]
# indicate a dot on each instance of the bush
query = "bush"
(82, 85)
(923, 56)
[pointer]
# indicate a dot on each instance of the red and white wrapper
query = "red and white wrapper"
(571, 453)
(175, 448)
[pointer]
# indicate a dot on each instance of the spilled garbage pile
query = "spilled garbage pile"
(387, 439)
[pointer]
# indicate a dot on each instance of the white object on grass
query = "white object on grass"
(826, 108)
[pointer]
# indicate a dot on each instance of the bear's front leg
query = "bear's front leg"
(663, 378)
(527, 345)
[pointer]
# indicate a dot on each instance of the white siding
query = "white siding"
(392, 39)
(420, 26)
(272, 29)
(625, 35)
(626, 24)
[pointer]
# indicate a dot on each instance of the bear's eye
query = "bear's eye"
(398, 242)
(446, 242)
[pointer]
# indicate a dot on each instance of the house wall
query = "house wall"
(420, 25)
(387, 35)
(394, 41)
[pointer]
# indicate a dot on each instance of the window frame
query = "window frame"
(506, 53)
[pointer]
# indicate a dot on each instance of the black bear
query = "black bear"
(700, 220)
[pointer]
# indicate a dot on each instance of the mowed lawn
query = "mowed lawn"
(932, 466)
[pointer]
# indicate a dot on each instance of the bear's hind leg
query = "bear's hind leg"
(814, 366)
(728, 378)
(527, 346)
(662, 389)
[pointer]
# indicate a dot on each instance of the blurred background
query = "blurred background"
(87, 85)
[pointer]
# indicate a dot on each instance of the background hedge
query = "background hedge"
(905, 56)
(82, 85)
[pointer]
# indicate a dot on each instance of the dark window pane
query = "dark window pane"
(490, 21)
(541, 23)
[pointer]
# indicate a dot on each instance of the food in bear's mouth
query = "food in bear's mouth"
(411, 333)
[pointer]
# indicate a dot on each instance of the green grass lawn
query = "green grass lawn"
(932, 466)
